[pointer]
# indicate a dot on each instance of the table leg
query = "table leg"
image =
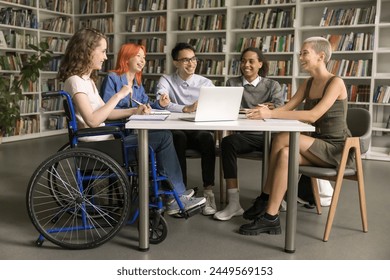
(266, 150)
(143, 144)
(292, 193)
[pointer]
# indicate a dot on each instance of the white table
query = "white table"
(242, 124)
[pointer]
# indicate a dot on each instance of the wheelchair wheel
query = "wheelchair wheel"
(158, 228)
(78, 198)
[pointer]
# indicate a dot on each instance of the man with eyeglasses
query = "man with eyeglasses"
(182, 90)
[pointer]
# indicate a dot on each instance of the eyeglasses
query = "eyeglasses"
(188, 60)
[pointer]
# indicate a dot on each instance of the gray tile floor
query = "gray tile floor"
(201, 237)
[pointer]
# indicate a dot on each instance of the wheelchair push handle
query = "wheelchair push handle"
(54, 93)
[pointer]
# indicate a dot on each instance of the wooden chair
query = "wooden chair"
(359, 123)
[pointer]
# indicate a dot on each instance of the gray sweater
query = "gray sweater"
(267, 90)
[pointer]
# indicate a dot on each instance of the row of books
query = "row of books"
(210, 67)
(271, 18)
(351, 42)
(29, 104)
(51, 85)
(147, 24)
(203, 4)
(57, 44)
(146, 5)
(286, 89)
(30, 3)
(202, 22)
(351, 16)
(56, 122)
(17, 40)
(358, 93)
(280, 68)
(12, 61)
(18, 17)
(54, 64)
(96, 7)
(150, 86)
(58, 24)
(154, 66)
(62, 6)
(26, 125)
(152, 45)
(382, 94)
(52, 104)
(272, 2)
(203, 45)
(350, 68)
(269, 43)
(27, 88)
(104, 25)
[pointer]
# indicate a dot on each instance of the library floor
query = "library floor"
(201, 237)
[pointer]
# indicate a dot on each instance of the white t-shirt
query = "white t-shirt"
(84, 85)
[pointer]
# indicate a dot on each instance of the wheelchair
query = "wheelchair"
(81, 196)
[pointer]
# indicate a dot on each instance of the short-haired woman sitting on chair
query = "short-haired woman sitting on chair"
(325, 107)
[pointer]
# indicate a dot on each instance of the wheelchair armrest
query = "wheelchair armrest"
(120, 122)
(101, 130)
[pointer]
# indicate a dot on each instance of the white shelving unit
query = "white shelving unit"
(157, 26)
(27, 22)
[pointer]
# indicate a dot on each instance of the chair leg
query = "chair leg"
(222, 187)
(316, 194)
(362, 195)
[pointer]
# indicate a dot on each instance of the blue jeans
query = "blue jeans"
(167, 162)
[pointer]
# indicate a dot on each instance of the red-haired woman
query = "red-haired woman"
(128, 71)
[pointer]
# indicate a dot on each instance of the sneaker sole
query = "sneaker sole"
(269, 230)
(209, 213)
(237, 213)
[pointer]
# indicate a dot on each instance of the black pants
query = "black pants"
(235, 144)
(201, 141)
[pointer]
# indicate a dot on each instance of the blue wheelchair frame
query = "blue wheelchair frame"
(156, 201)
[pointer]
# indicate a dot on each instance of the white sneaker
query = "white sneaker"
(227, 213)
(188, 203)
(187, 194)
(210, 207)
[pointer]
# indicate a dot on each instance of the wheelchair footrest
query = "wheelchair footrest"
(193, 211)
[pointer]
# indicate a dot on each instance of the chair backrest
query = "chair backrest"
(70, 117)
(359, 123)
(112, 147)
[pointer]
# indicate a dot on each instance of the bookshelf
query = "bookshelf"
(220, 29)
(27, 22)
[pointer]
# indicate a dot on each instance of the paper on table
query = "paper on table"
(286, 121)
(159, 112)
(148, 117)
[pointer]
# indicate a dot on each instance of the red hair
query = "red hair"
(126, 52)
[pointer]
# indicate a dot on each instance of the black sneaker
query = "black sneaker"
(255, 210)
(261, 225)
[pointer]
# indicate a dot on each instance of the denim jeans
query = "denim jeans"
(167, 162)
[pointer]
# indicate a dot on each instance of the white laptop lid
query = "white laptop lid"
(218, 104)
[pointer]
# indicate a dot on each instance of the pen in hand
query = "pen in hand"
(136, 101)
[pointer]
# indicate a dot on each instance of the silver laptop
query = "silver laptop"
(217, 104)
